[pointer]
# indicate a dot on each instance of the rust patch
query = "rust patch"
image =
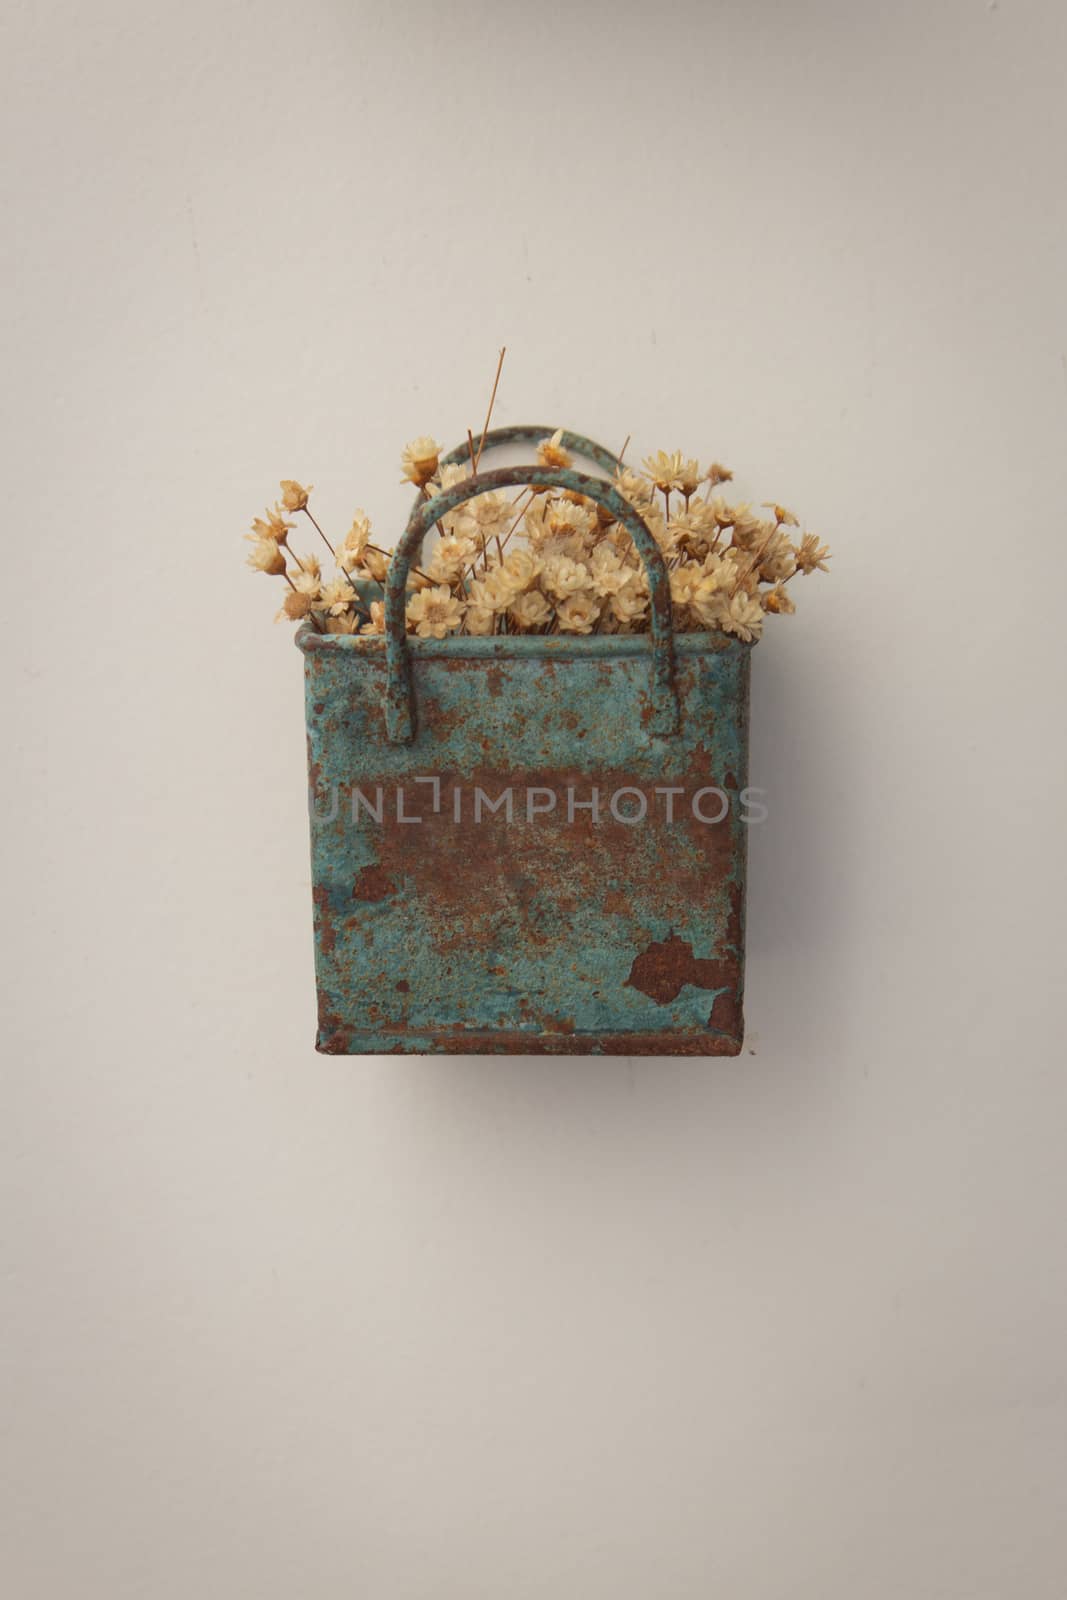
(324, 919)
(726, 1014)
(373, 883)
(663, 969)
(494, 681)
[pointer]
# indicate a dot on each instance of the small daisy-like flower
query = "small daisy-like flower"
(521, 568)
(578, 613)
(610, 571)
(566, 517)
(563, 577)
(343, 622)
(434, 612)
(358, 535)
(337, 596)
(684, 581)
(294, 495)
(717, 473)
(480, 621)
(749, 530)
(310, 564)
(273, 526)
(551, 453)
(454, 551)
(630, 603)
(488, 515)
(777, 600)
(376, 564)
(782, 516)
(307, 582)
(419, 460)
(743, 617)
(295, 607)
(777, 560)
(266, 556)
(530, 610)
(377, 618)
(692, 530)
(811, 555)
(633, 487)
(671, 470)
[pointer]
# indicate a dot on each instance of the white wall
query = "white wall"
(278, 1325)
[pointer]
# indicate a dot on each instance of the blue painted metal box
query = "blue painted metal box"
(528, 844)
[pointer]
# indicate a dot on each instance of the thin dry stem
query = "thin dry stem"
(492, 401)
(322, 536)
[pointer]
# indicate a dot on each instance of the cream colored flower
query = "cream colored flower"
(535, 522)
(684, 581)
(358, 535)
(452, 472)
(273, 527)
(454, 551)
(551, 453)
(670, 470)
(480, 621)
(569, 517)
(309, 564)
(630, 602)
(811, 555)
(377, 564)
(781, 515)
(343, 622)
(777, 600)
(487, 515)
(434, 612)
(521, 568)
(563, 577)
(530, 610)
(377, 618)
(610, 571)
(743, 617)
(337, 596)
(294, 496)
(295, 607)
(748, 529)
(266, 555)
(777, 560)
(419, 460)
(495, 589)
(633, 487)
(307, 582)
(578, 613)
(664, 470)
(717, 473)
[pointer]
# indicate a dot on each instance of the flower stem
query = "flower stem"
(489, 413)
(322, 536)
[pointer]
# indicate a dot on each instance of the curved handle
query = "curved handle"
(531, 433)
(400, 709)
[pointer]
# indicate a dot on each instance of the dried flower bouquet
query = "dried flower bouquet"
(549, 561)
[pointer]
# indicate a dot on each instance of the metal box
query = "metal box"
(528, 843)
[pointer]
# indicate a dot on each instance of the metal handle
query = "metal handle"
(400, 707)
(531, 433)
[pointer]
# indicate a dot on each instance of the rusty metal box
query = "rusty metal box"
(528, 844)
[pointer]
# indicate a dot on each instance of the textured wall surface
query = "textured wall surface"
(279, 1325)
